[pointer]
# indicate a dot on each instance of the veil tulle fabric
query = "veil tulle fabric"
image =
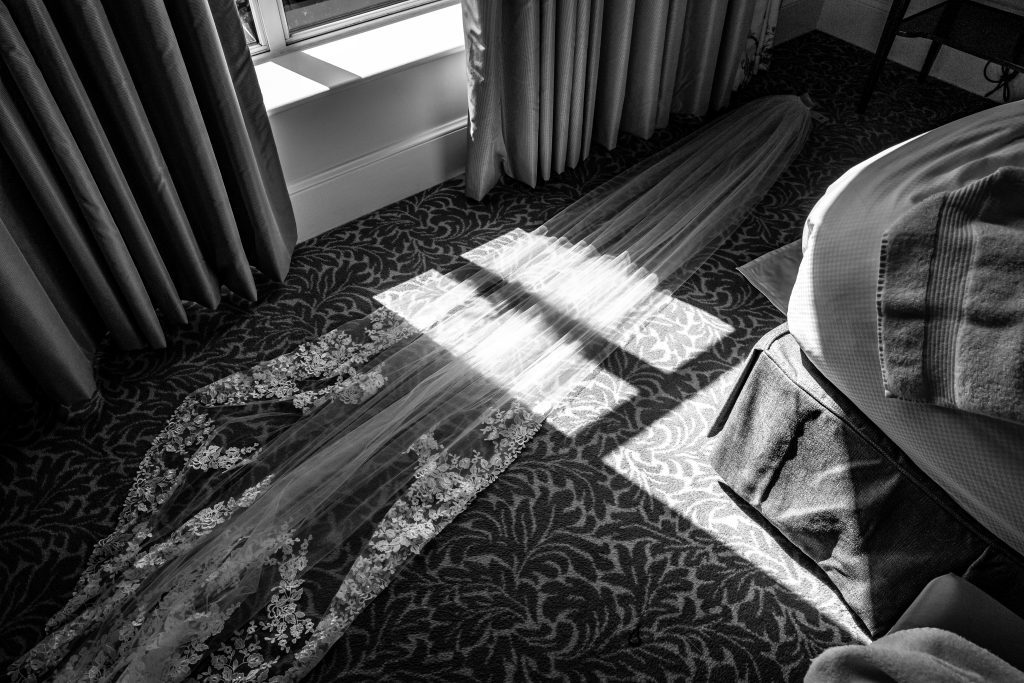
(278, 502)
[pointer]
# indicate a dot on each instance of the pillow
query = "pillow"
(832, 313)
(774, 273)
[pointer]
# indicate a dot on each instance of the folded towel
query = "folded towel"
(917, 655)
(951, 299)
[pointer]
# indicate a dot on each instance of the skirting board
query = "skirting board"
(353, 189)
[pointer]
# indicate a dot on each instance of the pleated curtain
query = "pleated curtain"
(137, 170)
(757, 54)
(550, 78)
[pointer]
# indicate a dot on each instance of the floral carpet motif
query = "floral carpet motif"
(607, 549)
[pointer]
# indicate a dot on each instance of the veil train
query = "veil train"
(278, 502)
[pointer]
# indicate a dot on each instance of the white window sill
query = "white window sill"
(304, 74)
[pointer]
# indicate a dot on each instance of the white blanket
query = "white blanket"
(916, 655)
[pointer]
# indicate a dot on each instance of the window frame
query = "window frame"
(261, 45)
(275, 39)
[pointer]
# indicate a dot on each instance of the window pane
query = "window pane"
(303, 14)
(248, 22)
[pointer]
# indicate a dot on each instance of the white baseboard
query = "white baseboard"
(861, 22)
(340, 194)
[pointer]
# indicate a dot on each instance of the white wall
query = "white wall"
(797, 17)
(861, 21)
(372, 141)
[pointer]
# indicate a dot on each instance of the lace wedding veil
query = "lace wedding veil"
(278, 502)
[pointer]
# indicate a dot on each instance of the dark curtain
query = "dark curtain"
(138, 170)
(547, 78)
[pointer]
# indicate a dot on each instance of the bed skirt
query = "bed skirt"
(800, 453)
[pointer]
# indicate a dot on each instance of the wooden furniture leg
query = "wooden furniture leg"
(949, 12)
(896, 12)
(929, 59)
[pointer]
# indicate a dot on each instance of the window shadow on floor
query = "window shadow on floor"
(566, 567)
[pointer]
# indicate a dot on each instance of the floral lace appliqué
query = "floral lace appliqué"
(184, 445)
(250, 657)
(444, 485)
(281, 642)
(220, 458)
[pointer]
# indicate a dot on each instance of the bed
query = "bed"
(843, 453)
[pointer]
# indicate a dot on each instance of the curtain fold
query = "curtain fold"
(140, 172)
(760, 41)
(549, 77)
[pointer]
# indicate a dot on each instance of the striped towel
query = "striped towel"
(951, 299)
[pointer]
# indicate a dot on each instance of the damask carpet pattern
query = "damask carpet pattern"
(608, 550)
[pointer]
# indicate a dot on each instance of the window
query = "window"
(248, 23)
(272, 26)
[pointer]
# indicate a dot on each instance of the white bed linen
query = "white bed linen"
(774, 273)
(979, 461)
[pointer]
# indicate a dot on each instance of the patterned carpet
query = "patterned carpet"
(608, 550)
